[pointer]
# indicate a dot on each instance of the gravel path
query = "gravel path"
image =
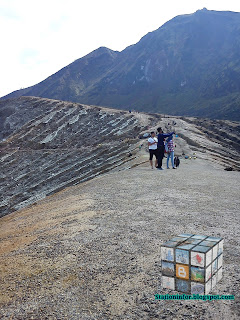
(92, 251)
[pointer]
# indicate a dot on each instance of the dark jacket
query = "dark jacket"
(161, 137)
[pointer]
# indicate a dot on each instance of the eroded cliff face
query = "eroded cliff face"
(52, 144)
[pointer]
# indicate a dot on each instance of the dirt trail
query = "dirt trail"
(92, 251)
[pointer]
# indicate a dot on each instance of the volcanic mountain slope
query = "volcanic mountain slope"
(189, 66)
(49, 144)
(54, 144)
(218, 138)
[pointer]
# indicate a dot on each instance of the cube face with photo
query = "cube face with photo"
(192, 263)
(182, 256)
(168, 282)
(198, 274)
(182, 286)
(182, 271)
(167, 254)
(168, 268)
(197, 288)
(197, 259)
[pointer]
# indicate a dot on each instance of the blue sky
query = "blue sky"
(40, 37)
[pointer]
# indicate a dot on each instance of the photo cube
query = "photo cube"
(192, 263)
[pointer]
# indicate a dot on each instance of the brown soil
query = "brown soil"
(92, 251)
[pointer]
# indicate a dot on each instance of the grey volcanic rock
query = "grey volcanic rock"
(51, 144)
(14, 113)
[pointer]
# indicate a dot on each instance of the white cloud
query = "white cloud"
(40, 37)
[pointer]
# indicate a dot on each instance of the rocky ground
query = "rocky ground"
(92, 251)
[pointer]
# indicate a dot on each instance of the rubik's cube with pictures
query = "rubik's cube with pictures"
(192, 263)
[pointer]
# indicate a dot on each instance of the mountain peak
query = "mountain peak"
(101, 50)
(189, 66)
(202, 10)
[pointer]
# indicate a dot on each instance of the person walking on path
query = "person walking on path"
(152, 145)
(170, 148)
(160, 146)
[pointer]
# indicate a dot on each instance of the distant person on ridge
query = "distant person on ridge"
(160, 146)
(170, 152)
(152, 146)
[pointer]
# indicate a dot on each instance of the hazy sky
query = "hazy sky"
(39, 37)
